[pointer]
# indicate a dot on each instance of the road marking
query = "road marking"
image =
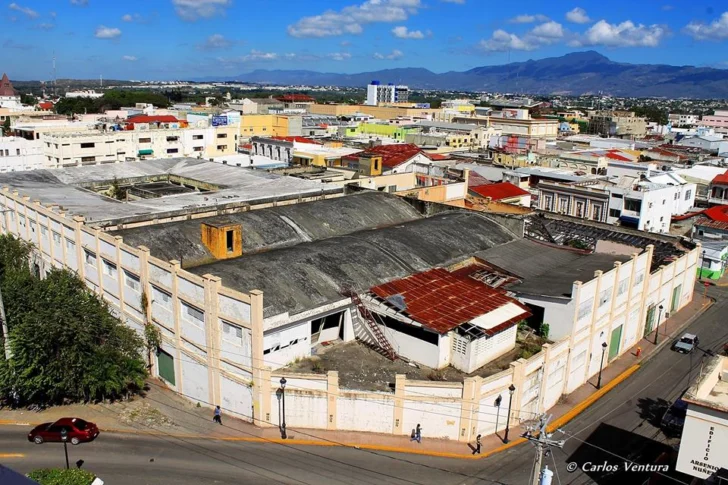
(12, 455)
(10, 422)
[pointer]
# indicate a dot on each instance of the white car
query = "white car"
(687, 343)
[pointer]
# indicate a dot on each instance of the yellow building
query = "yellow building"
(256, 125)
(224, 143)
(333, 109)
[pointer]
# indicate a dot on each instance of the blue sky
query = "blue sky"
(181, 39)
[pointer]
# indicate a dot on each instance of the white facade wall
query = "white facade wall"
(205, 374)
(18, 154)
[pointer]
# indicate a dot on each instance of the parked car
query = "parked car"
(78, 431)
(687, 343)
(674, 418)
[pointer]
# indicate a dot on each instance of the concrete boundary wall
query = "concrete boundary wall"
(214, 336)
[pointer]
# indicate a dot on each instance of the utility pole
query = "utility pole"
(543, 443)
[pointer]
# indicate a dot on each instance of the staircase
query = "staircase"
(382, 341)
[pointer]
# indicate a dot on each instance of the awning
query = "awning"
(629, 219)
(146, 152)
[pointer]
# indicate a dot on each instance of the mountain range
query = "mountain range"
(577, 73)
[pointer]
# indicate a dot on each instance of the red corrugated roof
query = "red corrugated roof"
(442, 301)
(45, 105)
(616, 156)
(476, 180)
(721, 179)
(436, 156)
(297, 139)
(714, 224)
(392, 155)
(718, 213)
(152, 119)
(499, 191)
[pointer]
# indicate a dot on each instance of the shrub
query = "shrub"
(54, 476)
(436, 375)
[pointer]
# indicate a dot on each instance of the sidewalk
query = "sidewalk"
(162, 412)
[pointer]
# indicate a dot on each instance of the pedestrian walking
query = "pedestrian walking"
(478, 444)
(418, 434)
(218, 416)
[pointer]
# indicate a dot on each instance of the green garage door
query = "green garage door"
(650, 320)
(614, 343)
(165, 363)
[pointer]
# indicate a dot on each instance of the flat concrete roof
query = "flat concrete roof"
(237, 185)
(547, 270)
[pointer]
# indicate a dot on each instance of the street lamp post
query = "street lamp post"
(601, 366)
(702, 265)
(64, 438)
(498, 401)
(511, 390)
(659, 317)
(283, 396)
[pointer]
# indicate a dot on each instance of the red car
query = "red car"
(77, 431)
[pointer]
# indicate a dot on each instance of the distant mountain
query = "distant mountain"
(574, 74)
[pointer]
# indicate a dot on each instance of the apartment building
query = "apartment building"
(718, 121)
(377, 93)
(617, 123)
(683, 120)
(98, 147)
(515, 123)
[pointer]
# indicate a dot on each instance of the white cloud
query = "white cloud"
(393, 56)
(216, 41)
(339, 56)
(80, 3)
(28, 12)
(578, 16)
(625, 34)
(128, 18)
(544, 34)
(459, 2)
(528, 19)
(129, 58)
(196, 9)
(45, 26)
(716, 30)
(351, 19)
(103, 32)
(259, 56)
(403, 33)
(53, 15)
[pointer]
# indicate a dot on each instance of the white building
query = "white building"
(683, 120)
(704, 438)
(718, 121)
(711, 143)
(378, 93)
(84, 94)
(18, 154)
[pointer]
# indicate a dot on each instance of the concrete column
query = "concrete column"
(576, 296)
(546, 349)
(261, 373)
(332, 387)
(118, 240)
(470, 404)
(518, 379)
(597, 296)
(177, 328)
(99, 262)
(645, 290)
(80, 259)
(212, 335)
(400, 382)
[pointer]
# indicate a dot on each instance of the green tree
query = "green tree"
(66, 345)
(6, 125)
(28, 99)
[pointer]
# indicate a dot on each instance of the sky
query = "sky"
(185, 39)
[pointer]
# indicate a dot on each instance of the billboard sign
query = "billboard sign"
(423, 105)
(219, 121)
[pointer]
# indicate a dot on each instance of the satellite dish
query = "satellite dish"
(398, 302)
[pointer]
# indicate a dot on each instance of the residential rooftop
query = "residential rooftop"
(710, 390)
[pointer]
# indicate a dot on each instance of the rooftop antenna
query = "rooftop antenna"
(54, 74)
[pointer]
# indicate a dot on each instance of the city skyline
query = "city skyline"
(178, 39)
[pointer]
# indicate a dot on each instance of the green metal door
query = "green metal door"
(614, 343)
(675, 298)
(165, 364)
(650, 320)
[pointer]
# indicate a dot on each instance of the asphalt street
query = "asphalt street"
(623, 425)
